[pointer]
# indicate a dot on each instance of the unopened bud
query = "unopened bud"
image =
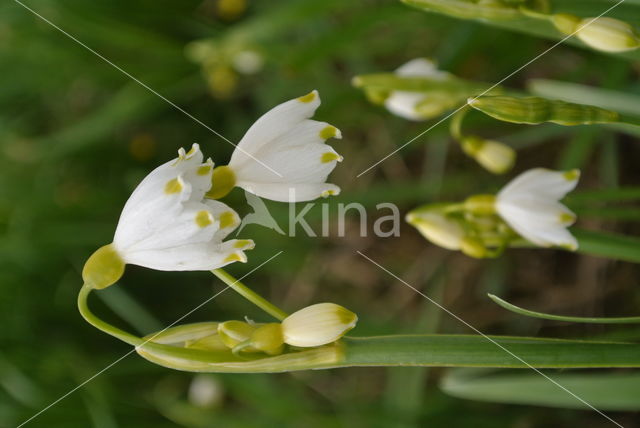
(437, 228)
(232, 333)
(268, 339)
(472, 247)
(317, 325)
(495, 157)
(608, 34)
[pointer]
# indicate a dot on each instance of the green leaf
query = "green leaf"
(608, 245)
(604, 391)
(533, 314)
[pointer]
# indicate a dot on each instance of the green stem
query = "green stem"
(102, 325)
(250, 295)
(533, 314)
(411, 350)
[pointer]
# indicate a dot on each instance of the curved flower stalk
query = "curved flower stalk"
(484, 225)
(283, 156)
(168, 225)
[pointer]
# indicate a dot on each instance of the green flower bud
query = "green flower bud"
(473, 247)
(494, 156)
(223, 181)
(232, 333)
(437, 228)
(104, 268)
(268, 339)
(317, 325)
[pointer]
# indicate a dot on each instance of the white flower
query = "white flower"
(168, 225)
(283, 156)
(530, 205)
(405, 103)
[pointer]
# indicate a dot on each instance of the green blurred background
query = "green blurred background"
(76, 136)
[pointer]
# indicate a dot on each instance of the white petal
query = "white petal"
(541, 222)
(283, 192)
(421, 67)
(309, 163)
(200, 256)
(195, 224)
(541, 182)
(226, 218)
(403, 104)
(273, 124)
(151, 207)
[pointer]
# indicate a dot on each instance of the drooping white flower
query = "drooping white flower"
(168, 225)
(405, 103)
(530, 205)
(283, 156)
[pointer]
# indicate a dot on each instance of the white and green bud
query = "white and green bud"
(437, 228)
(494, 156)
(601, 33)
(317, 325)
(608, 34)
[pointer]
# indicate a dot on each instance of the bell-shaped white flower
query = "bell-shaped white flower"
(530, 205)
(283, 156)
(168, 225)
(405, 103)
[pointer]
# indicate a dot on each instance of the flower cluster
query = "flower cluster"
(483, 225)
(172, 220)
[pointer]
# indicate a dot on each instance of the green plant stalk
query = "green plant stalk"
(414, 350)
(250, 295)
(98, 323)
(397, 350)
(594, 320)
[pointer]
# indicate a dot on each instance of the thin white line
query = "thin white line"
(146, 341)
(472, 99)
(145, 86)
(490, 339)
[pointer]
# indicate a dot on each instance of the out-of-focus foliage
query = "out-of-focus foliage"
(76, 135)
